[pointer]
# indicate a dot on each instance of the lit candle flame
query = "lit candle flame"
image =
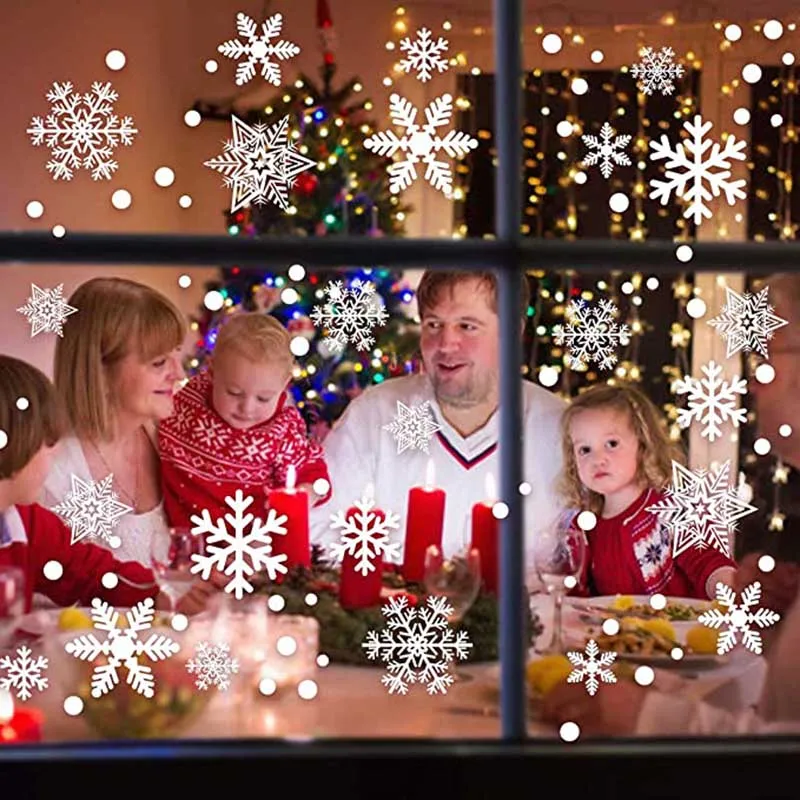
(291, 477)
(430, 476)
(6, 706)
(491, 489)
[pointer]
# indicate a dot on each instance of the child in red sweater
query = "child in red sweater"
(617, 462)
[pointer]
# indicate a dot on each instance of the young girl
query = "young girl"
(617, 462)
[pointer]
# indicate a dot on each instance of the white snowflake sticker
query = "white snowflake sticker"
(259, 49)
(349, 315)
(592, 334)
(82, 131)
(607, 150)
(712, 400)
(690, 167)
(657, 71)
(413, 427)
(92, 510)
(590, 666)
(417, 645)
(259, 164)
(23, 673)
(213, 666)
(242, 551)
(700, 508)
(365, 535)
(421, 144)
(47, 310)
(739, 618)
(747, 322)
(122, 647)
(424, 55)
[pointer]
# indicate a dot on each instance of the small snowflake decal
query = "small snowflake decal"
(592, 333)
(259, 164)
(92, 510)
(23, 673)
(242, 551)
(606, 150)
(424, 54)
(421, 143)
(122, 647)
(657, 70)
(747, 322)
(259, 49)
(82, 131)
(213, 666)
(698, 168)
(365, 535)
(589, 667)
(711, 400)
(46, 310)
(349, 315)
(413, 427)
(417, 644)
(738, 618)
(700, 509)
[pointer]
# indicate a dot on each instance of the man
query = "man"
(460, 352)
(625, 708)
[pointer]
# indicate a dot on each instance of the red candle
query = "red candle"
(485, 537)
(18, 725)
(294, 504)
(424, 523)
(359, 587)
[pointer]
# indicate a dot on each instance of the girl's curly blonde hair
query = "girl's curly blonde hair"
(656, 450)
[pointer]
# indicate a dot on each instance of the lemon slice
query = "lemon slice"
(73, 619)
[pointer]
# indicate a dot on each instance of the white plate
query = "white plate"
(607, 601)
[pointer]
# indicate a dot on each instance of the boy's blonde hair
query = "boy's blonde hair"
(656, 450)
(115, 316)
(39, 423)
(258, 337)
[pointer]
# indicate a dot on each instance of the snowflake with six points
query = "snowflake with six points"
(605, 151)
(349, 315)
(590, 667)
(424, 54)
(82, 131)
(122, 647)
(657, 70)
(46, 310)
(242, 551)
(213, 666)
(711, 400)
(592, 333)
(417, 645)
(688, 176)
(413, 427)
(92, 509)
(738, 618)
(421, 143)
(23, 673)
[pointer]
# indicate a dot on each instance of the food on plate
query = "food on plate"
(623, 602)
(702, 639)
(545, 673)
(73, 619)
(634, 639)
(673, 611)
(660, 626)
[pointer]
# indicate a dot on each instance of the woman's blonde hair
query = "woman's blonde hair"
(258, 337)
(656, 450)
(31, 415)
(115, 317)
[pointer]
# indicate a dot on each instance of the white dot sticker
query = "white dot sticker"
(569, 731)
(762, 446)
(751, 73)
(587, 521)
(114, 542)
(525, 488)
(766, 563)
(765, 373)
(286, 646)
(121, 199)
(684, 253)
(619, 202)
(321, 486)
(180, 622)
(552, 43)
(3, 439)
(311, 599)
(733, 33)
(579, 86)
(214, 300)
(299, 346)
(115, 60)
(164, 176)
(184, 281)
(785, 431)
(307, 689)
(658, 602)
(267, 687)
(676, 653)
(597, 56)
(564, 128)
(59, 231)
(548, 376)
(644, 675)
(211, 66)
(73, 705)
(23, 404)
(500, 510)
(34, 209)
(611, 627)
(696, 308)
(570, 581)
(772, 29)
(741, 116)
(53, 570)
(323, 660)
(192, 118)
(110, 580)
(185, 201)
(296, 272)
(276, 603)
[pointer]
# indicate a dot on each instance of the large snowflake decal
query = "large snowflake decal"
(213, 666)
(365, 535)
(259, 49)
(738, 618)
(701, 508)
(82, 131)
(23, 673)
(711, 400)
(413, 427)
(259, 164)
(46, 310)
(657, 70)
(122, 647)
(592, 333)
(92, 509)
(607, 150)
(417, 645)
(690, 167)
(590, 666)
(242, 551)
(424, 54)
(421, 143)
(747, 322)
(349, 315)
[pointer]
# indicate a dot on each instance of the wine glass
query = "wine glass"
(12, 602)
(559, 554)
(172, 568)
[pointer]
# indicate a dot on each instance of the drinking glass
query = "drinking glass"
(172, 569)
(12, 602)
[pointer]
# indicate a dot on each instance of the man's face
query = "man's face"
(459, 345)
